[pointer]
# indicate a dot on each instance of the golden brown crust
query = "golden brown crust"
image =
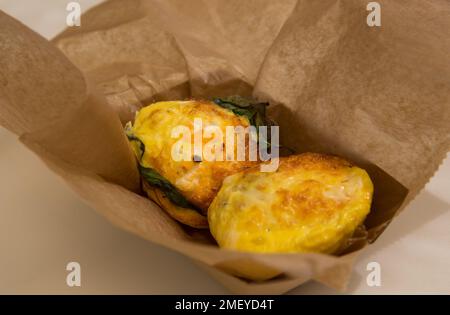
(186, 216)
(312, 203)
(308, 161)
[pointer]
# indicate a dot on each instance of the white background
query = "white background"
(43, 226)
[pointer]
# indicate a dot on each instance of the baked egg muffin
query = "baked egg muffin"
(312, 203)
(183, 185)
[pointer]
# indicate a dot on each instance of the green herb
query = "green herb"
(132, 138)
(155, 179)
(255, 112)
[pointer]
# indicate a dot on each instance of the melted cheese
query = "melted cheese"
(312, 203)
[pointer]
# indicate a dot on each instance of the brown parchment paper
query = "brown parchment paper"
(379, 96)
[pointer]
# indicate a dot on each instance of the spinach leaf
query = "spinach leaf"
(255, 112)
(156, 180)
(132, 138)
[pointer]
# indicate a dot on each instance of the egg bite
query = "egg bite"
(184, 187)
(312, 203)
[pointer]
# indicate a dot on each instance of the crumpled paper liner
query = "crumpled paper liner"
(379, 96)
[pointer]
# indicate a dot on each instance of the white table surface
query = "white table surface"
(43, 226)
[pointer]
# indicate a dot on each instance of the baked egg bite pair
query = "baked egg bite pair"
(311, 203)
